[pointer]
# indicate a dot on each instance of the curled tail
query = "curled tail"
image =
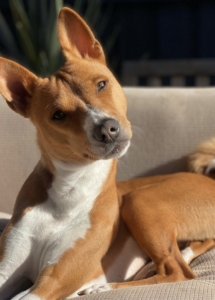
(202, 160)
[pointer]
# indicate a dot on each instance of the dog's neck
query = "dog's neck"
(76, 185)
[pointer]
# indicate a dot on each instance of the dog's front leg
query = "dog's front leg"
(76, 268)
(14, 253)
(56, 282)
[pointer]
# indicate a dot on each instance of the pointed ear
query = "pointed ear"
(16, 85)
(76, 38)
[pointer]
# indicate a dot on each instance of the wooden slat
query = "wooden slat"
(170, 67)
(154, 81)
(178, 81)
(202, 80)
(133, 70)
(130, 79)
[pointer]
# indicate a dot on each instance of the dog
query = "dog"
(74, 230)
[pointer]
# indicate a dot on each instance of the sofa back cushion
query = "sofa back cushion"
(167, 124)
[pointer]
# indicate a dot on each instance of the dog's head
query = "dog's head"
(80, 111)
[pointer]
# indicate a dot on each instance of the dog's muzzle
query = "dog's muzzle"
(109, 139)
(106, 136)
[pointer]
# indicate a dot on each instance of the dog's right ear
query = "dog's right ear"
(76, 38)
(16, 85)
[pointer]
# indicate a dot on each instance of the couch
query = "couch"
(167, 123)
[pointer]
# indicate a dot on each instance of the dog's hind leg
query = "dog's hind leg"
(156, 235)
(167, 268)
(169, 263)
(154, 228)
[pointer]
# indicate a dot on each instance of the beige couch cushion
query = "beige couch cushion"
(18, 154)
(167, 124)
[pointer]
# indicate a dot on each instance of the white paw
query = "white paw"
(96, 288)
(21, 295)
(30, 297)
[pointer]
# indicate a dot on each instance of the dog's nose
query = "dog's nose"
(106, 131)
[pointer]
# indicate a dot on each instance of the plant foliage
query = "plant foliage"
(33, 39)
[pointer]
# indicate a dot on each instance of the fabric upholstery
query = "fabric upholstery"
(18, 154)
(167, 125)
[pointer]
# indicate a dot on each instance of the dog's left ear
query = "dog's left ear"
(76, 38)
(16, 85)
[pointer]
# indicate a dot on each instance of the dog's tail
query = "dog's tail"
(202, 160)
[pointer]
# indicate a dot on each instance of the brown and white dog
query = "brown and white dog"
(66, 233)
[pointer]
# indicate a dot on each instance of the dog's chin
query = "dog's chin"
(118, 150)
(113, 151)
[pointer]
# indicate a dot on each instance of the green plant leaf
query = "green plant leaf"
(93, 12)
(19, 14)
(7, 38)
(36, 31)
(112, 39)
(104, 21)
(58, 5)
(32, 8)
(54, 49)
(32, 13)
(44, 64)
(78, 5)
(26, 44)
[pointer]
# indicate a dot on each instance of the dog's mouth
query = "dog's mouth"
(114, 150)
(118, 150)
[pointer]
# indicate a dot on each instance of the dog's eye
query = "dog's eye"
(101, 85)
(58, 115)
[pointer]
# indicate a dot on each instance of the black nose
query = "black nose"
(106, 131)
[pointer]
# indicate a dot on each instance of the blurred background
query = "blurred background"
(147, 42)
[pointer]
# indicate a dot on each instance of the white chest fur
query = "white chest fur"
(76, 187)
(54, 226)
